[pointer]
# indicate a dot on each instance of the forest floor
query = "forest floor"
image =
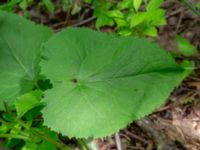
(175, 126)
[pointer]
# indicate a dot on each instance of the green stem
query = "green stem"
(45, 137)
(82, 144)
(59, 145)
(11, 126)
(14, 136)
(189, 5)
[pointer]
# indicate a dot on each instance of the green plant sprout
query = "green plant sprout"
(131, 17)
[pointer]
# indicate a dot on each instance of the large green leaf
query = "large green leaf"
(101, 82)
(20, 48)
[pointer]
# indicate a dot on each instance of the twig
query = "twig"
(177, 11)
(73, 25)
(179, 22)
(84, 21)
(135, 137)
(161, 142)
(118, 141)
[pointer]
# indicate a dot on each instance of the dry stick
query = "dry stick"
(161, 143)
(126, 136)
(118, 141)
(77, 24)
(177, 11)
(140, 139)
(146, 125)
(134, 136)
(179, 22)
(84, 21)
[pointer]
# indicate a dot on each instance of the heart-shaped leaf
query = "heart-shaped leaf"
(101, 82)
(20, 48)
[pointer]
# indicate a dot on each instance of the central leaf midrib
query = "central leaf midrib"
(167, 70)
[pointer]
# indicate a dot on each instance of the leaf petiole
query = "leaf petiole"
(15, 136)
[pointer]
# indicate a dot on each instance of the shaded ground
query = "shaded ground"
(175, 126)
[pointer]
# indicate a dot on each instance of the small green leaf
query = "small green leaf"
(100, 11)
(137, 19)
(121, 22)
(125, 4)
(24, 4)
(136, 4)
(125, 31)
(98, 76)
(154, 4)
(185, 47)
(150, 31)
(104, 20)
(20, 47)
(27, 101)
(156, 17)
(49, 5)
(115, 14)
(4, 128)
